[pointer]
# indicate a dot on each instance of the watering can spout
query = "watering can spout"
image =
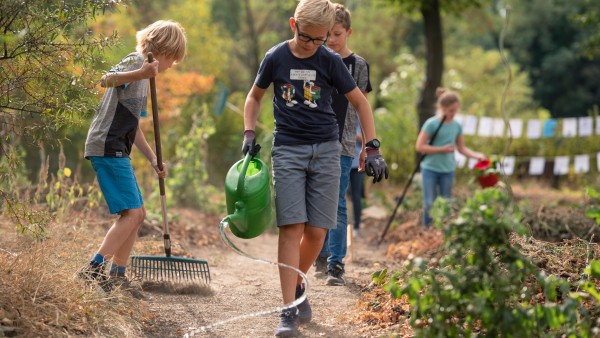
(238, 219)
(248, 196)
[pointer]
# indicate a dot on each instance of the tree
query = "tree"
(548, 42)
(47, 78)
(255, 26)
(430, 11)
(589, 20)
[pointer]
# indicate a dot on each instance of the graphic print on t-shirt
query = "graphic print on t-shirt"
(311, 92)
(288, 94)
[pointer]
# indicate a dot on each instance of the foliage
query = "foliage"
(46, 59)
(255, 26)
(188, 179)
(593, 211)
(452, 6)
(550, 50)
(47, 80)
(484, 285)
(589, 21)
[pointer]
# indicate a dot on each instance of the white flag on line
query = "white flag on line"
(569, 127)
(586, 125)
(561, 165)
(472, 163)
(507, 165)
(582, 163)
(470, 125)
(485, 126)
(498, 127)
(460, 118)
(461, 159)
(536, 166)
(534, 128)
(598, 160)
(516, 128)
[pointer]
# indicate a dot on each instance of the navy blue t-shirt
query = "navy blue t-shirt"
(303, 88)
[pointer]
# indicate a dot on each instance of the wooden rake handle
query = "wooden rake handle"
(161, 181)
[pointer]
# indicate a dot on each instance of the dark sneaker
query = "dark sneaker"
(119, 281)
(336, 275)
(321, 267)
(94, 274)
(304, 310)
(288, 324)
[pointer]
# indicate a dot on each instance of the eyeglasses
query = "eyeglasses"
(305, 38)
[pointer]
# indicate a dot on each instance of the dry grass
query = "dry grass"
(40, 296)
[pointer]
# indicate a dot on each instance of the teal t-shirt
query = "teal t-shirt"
(441, 162)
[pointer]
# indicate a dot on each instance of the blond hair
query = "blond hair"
(342, 15)
(164, 37)
(315, 13)
(446, 97)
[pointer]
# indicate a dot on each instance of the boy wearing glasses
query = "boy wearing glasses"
(306, 150)
(330, 261)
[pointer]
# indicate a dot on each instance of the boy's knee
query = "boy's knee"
(136, 215)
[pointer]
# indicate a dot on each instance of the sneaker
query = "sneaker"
(304, 310)
(336, 275)
(288, 325)
(119, 281)
(355, 233)
(321, 267)
(94, 274)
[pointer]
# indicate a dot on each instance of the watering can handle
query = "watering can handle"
(242, 177)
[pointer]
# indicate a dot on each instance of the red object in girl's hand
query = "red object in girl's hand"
(486, 173)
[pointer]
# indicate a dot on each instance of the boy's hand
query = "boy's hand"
(161, 173)
(149, 70)
(375, 165)
(249, 143)
(361, 160)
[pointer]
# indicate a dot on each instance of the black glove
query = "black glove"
(375, 165)
(249, 144)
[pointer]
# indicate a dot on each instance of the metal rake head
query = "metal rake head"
(169, 269)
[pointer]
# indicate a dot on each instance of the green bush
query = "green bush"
(484, 285)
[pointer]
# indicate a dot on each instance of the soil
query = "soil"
(242, 288)
(243, 295)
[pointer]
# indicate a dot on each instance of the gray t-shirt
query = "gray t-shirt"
(303, 88)
(345, 112)
(115, 123)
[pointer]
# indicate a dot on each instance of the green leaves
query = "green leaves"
(379, 277)
(593, 211)
(484, 285)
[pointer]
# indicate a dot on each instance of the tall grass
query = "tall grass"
(40, 296)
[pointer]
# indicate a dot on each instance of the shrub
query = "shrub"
(484, 285)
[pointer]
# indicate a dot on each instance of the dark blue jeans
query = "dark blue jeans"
(356, 192)
(335, 243)
(434, 184)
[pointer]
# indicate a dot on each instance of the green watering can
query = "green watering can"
(248, 196)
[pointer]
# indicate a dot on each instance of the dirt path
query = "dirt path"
(242, 286)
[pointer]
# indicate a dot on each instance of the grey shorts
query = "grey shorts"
(306, 180)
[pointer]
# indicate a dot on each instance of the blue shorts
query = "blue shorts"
(306, 179)
(118, 183)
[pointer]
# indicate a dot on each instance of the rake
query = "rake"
(168, 268)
